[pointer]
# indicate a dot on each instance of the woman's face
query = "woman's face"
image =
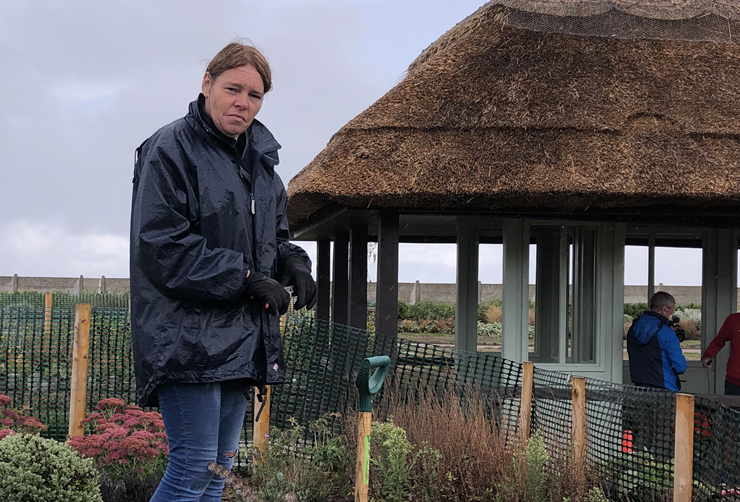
(233, 99)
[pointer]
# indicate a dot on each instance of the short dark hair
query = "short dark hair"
(662, 299)
(237, 54)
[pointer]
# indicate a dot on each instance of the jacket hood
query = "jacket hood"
(647, 325)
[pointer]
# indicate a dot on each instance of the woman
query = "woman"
(209, 242)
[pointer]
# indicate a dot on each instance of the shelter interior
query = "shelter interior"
(579, 264)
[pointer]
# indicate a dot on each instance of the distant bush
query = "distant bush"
(634, 310)
(426, 310)
(693, 306)
(489, 329)
(426, 325)
(692, 331)
(689, 314)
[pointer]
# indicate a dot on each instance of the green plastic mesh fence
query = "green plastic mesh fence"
(631, 444)
(36, 360)
(421, 366)
(65, 300)
(716, 451)
(630, 430)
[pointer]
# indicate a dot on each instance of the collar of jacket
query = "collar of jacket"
(262, 141)
(661, 318)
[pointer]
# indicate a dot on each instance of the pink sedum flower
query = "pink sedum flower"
(123, 437)
(111, 402)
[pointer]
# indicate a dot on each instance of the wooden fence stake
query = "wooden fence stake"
(525, 408)
(47, 313)
(261, 429)
(684, 452)
(362, 466)
(80, 351)
(579, 420)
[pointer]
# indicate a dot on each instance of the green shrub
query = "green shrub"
(489, 329)
(289, 468)
(36, 469)
(425, 310)
(689, 306)
(403, 310)
(482, 309)
(634, 310)
(391, 462)
(527, 479)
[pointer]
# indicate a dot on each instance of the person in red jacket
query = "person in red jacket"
(729, 332)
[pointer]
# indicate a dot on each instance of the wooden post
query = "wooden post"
(261, 429)
(684, 452)
(47, 313)
(579, 420)
(79, 369)
(525, 408)
(578, 434)
(362, 476)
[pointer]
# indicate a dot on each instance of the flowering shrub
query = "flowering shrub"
(124, 441)
(17, 421)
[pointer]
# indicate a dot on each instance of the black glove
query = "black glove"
(296, 274)
(267, 292)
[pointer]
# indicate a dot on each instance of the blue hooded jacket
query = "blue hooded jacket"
(655, 353)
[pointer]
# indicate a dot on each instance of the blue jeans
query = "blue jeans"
(203, 423)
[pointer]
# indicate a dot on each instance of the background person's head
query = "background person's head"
(663, 303)
(234, 84)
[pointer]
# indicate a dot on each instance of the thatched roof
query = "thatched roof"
(655, 9)
(493, 116)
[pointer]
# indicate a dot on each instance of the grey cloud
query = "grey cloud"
(87, 81)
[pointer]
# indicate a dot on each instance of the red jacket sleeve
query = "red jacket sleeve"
(725, 335)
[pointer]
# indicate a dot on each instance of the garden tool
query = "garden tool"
(367, 387)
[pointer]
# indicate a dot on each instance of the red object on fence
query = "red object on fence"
(701, 424)
(627, 442)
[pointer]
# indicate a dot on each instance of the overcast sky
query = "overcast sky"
(87, 81)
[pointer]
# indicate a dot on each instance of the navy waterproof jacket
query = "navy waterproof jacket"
(655, 353)
(196, 228)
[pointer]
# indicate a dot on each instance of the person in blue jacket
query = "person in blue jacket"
(654, 350)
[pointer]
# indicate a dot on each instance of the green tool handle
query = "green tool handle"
(368, 386)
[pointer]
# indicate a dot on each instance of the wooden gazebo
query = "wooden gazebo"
(578, 126)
